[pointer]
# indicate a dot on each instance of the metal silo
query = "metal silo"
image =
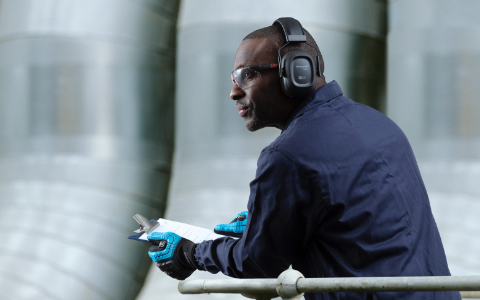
(433, 95)
(86, 140)
(215, 156)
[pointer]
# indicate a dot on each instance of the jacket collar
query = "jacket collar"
(318, 97)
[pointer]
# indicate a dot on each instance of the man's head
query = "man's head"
(264, 104)
(276, 36)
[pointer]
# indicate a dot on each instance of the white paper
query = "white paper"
(193, 233)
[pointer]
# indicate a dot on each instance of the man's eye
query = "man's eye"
(249, 74)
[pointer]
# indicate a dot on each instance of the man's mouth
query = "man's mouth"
(242, 109)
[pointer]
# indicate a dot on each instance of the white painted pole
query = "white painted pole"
(291, 285)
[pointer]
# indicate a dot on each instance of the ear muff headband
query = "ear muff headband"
(293, 30)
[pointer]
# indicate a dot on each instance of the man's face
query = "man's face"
(258, 104)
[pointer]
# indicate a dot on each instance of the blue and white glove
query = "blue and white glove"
(235, 228)
(173, 254)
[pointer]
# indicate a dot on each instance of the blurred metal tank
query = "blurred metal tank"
(434, 96)
(86, 140)
(215, 156)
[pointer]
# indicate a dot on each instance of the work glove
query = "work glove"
(235, 228)
(173, 254)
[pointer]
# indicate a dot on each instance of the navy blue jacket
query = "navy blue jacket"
(337, 194)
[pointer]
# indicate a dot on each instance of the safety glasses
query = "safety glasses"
(245, 77)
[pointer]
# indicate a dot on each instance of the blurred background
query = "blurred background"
(110, 108)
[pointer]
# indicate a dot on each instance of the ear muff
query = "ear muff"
(297, 78)
(297, 69)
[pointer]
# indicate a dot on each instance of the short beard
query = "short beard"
(264, 114)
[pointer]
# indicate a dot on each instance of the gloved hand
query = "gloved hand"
(173, 254)
(235, 228)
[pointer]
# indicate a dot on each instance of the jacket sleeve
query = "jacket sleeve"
(284, 209)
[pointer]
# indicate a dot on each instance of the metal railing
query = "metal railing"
(292, 285)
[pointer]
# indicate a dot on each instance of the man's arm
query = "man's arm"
(284, 211)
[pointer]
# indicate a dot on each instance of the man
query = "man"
(337, 194)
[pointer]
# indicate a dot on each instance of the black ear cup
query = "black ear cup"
(298, 75)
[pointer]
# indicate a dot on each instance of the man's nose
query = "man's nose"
(236, 93)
